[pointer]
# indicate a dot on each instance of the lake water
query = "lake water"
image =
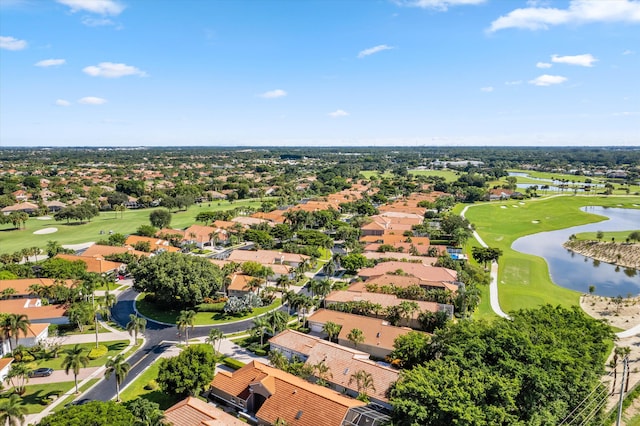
(577, 272)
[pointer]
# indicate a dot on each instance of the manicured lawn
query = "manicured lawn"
(448, 175)
(12, 240)
(524, 280)
(136, 389)
(368, 173)
(618, 188)
(202, 318)
(620, 236)
(36, 397)
(114, 347)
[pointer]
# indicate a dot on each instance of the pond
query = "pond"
(577, 272)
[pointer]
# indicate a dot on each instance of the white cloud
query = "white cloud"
(513, 83)
(372, 50)
(338, 113)
(92, 100)
(628, 52)
(50, 63)
(111, 70)
(63, 102)
(626, 114)
(273, 94)
(102, 7)
(487, 89)
(11, 43)
(578, 12)
(543, 65)
(548, 80)
(97, 22)
(437, 4)
(585, 60)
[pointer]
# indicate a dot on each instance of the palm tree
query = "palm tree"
(98, 311)
(277, 320)
(322, 372)
(19, 377)
(18, 323)
(74, 360)
(355, 336)
(406, 309)
(215, 335)
(278, 359)
(12, 410)
(364, 382)
(332, 329)
(147, 413)
(260, 326)
(119, 368)
(186, 319)
(136, 325)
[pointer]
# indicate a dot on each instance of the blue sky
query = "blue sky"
(327, 72)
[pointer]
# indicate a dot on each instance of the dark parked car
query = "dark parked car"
(41, 372)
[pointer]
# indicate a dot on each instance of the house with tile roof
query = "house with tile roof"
(400, 257)
(378, 334)
(342, 361)
(21, 285)
(97, 265)
(35, 310)
(36, 332)
(266, 394)
(100, 251)
(195, 412)
(431, 276)
(157, 245)
(268, 257)
(5, 366)
(25, 207)
(341, 297)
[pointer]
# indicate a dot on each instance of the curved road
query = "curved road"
(158, 337)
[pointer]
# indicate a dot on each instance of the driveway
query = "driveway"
(59, 376)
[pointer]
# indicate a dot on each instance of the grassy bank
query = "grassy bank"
(524, 280)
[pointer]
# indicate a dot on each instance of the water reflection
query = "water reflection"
(574, 271)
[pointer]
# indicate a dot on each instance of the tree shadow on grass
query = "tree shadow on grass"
(162, 399)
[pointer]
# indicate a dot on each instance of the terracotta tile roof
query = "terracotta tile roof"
(385, 300)
(19, 207)
(170, 231)
(402, 257)
(21, 286)
(201, 232)
(154, 243)
(194, 412)
(98, 250)
(377, 332)
(266, 257)
(30, 308)
(248, 221)
(239, 282)
(291, 399)
(397, 207)
(34, 330)
(275, 216)
(402, 246)
(4, 362)
(424, 272)
(96, 265)
(224, 224)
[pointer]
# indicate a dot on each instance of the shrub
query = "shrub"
(98, 352)
(210, 307)
(152, 385)
(232, 363)
(260, 352)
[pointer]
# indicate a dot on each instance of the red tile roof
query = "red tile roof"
(194, 412)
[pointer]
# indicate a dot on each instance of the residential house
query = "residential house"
(156, 245)
(399, 256)
(35, 310)
(100, 251)
(21, 286)
(342, 361)
(378, 334)
(25, 207)
(5, 366)
(239, 285)
(432, 276)
(97, 265)
(266, 395)
(268, 257)
(54, 206)
(195, 412)
(36, 332)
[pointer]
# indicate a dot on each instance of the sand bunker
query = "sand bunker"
(45, 231)
(521, 203)
(535, 221)
(503, 207)
(44, 218)
(515, 206)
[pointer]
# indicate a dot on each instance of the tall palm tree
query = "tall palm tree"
(260, 326)
(186, 320)
(215, 335)
(18, 323)
(119, 368)
(323, 373)
(331, 329)
(74, 360)
(98, 311)
(12, 410)
(277, 320)
(355, 336)
(364, 382)
(136, 325)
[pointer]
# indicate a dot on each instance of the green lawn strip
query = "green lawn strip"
(620, 236)
(136, 389)
(157, 313)
(368, 173)
(12, 240)
(36, 397)
(114, 347)
(82, 388)
(619, 189)
(89, 329)
(524, 280)
(448, 175)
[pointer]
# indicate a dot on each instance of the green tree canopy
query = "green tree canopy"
(533, 369)
(189, 372)
(160, 218)
(177, 278)
(94, 413)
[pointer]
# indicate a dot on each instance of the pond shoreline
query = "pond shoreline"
(620, 254)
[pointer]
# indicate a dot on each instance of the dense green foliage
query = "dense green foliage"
(189, 372)
(532, 370)
(177, 278)
(94, 413)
